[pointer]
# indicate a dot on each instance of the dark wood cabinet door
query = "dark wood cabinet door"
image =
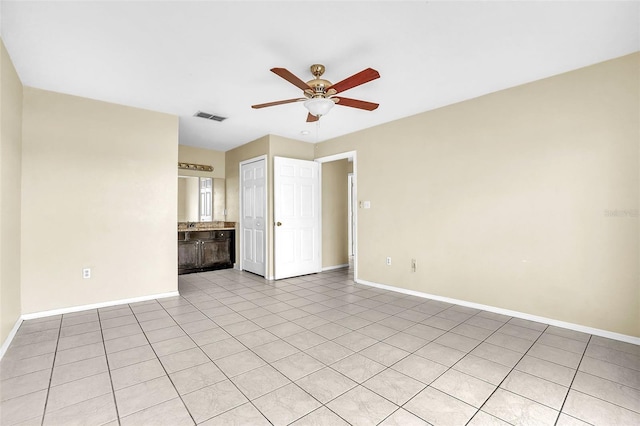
(215, 252)
(188, 254)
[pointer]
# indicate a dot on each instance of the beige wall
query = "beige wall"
(209, 157)
(504, 199)
(10, 183)
(335, 213)
(99, 191)
(283, 147)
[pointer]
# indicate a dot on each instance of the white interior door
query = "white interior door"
(297, 217)
(253, 220)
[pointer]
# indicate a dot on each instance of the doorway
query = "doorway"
(344, 234)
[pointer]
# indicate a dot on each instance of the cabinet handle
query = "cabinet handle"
(278, 223)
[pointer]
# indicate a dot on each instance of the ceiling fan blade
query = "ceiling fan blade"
(356, 103)
(311, 118)
(288, 75)
(286, 101)
(362, 77)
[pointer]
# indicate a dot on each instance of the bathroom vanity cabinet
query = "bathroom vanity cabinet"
(205, 250)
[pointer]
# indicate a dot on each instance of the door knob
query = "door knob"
(278, 223)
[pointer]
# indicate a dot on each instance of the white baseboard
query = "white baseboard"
(331, 268)
(571, 326)
(97, 305)
(9, 339)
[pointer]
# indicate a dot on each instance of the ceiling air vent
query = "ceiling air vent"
(209, 116)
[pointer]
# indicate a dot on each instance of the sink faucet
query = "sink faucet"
(192, 225)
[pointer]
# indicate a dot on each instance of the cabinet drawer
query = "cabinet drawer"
(200, 235)
(220, 235)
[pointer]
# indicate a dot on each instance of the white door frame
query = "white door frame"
(267, 231)
(351, 213)
(342, 156)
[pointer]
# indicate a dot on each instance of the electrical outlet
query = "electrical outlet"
(414, 265)
(388, 260)
(86, 273)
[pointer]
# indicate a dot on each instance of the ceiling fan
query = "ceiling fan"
(320, 94)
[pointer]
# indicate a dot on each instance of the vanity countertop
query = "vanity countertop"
(205, 229)
(206, 226)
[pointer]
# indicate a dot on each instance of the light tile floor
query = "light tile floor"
(312, 350)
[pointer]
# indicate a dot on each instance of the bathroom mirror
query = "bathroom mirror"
(200, 199)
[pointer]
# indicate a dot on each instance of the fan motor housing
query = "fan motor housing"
(319, 85)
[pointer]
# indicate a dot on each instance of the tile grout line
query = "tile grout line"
(507, 375)
(602, 378)
(448, 367)
(378, 341)
(53, 364)
(268, 363)
(55, 355)
(300, 351)
(161, 364)
(322, 405)
(113, 391)
(400, 406)
(207, 355)
(572, 380)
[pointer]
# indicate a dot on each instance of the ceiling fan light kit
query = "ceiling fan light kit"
(319, 106)
(320, 94)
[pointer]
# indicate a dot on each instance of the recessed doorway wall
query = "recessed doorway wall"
(336, 170)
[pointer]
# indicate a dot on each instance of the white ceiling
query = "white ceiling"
(180, 57)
